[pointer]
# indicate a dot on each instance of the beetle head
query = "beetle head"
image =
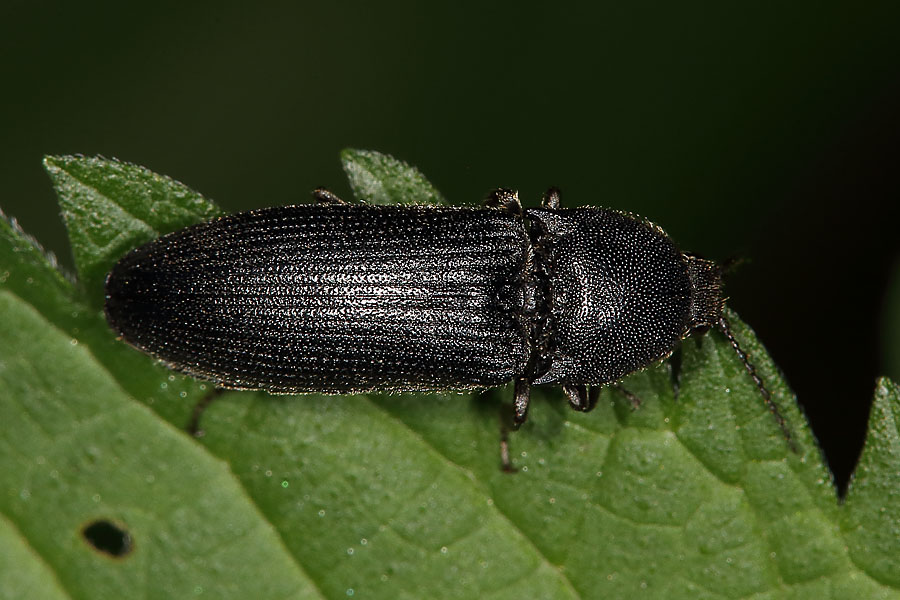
(707, 301)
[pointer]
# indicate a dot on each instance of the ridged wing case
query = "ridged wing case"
(333, 298)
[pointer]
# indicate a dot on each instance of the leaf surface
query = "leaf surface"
(75, 449)
(110, 207)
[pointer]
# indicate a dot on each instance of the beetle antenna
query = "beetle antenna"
(732, 264)
(725, 328)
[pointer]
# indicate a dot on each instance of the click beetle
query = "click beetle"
(337, 298)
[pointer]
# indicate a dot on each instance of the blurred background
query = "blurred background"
(767, 132)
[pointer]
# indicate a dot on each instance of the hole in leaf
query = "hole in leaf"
(109, 538)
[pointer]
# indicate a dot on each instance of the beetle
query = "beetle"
(336, 298)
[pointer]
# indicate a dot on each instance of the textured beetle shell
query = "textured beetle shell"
(334, 298)
(620, 293)
(350, 298)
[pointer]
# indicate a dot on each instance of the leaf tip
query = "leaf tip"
(53, 162)
(885, 403)
(349, 154)
(884, 386)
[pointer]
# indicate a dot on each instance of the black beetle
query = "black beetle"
(343, 298)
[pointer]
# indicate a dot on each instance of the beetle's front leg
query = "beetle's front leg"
(635, 401)
(580, 398)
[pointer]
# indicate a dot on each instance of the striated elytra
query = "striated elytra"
(338, 298)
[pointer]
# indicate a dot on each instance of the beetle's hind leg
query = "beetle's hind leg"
(325, 196)
(193, 426)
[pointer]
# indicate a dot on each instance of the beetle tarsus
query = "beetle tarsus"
(505, 414)
(193, 426)
(327, 197)
(635, 401)
(579, 399)
(506, 199)
(505, 462)
(551, 198)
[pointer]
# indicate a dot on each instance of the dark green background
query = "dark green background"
(768, 132)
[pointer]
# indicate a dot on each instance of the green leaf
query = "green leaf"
(694, 496)
(110, 207)
(377, 178)
(871, 520)
(23, 573)
(75, 449)
(32, 275)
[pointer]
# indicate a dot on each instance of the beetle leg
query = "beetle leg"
(578, 397)
(551, 198)
(593, 396)
(505, 461)
(193, 426)
(635, 401)
(582, 398)
(520, 403)
(327, 197)
(506, 199)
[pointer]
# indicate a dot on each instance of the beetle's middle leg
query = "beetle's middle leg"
(522, 398)
(506, 199)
